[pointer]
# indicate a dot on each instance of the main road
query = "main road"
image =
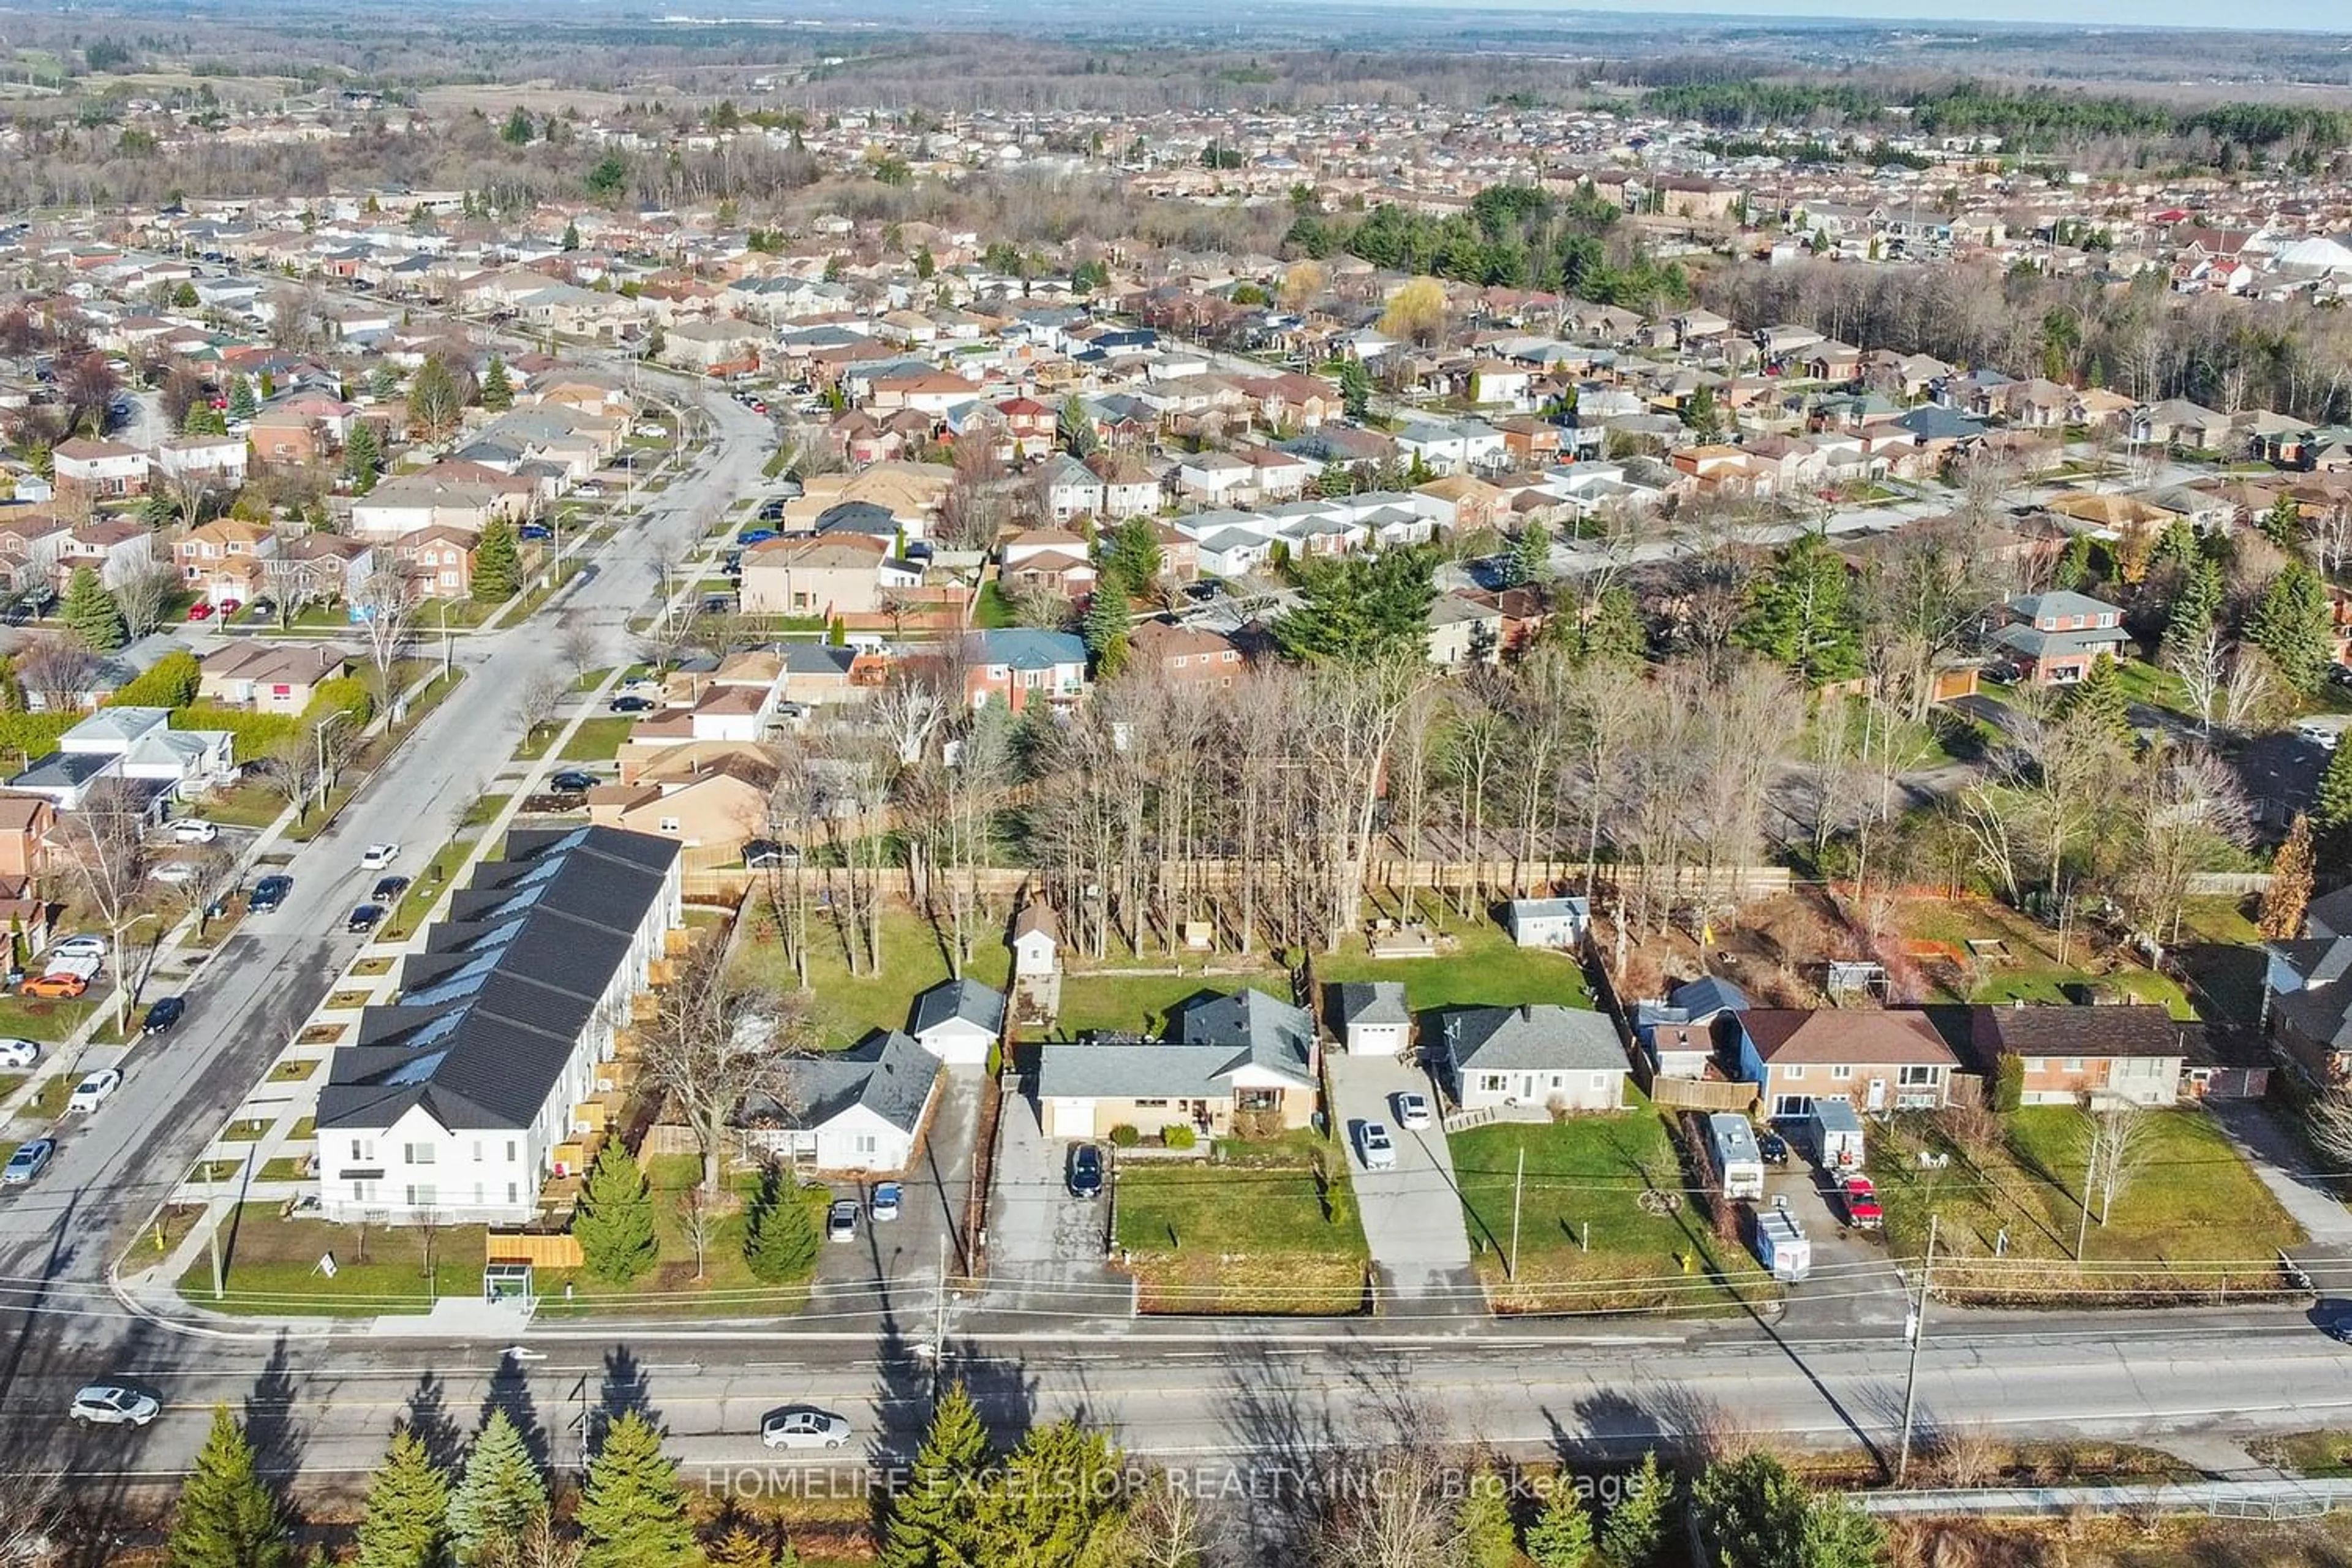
(115, 1166)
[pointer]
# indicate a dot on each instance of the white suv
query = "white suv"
(194, 831)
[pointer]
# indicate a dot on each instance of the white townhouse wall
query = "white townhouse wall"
(454, 1097)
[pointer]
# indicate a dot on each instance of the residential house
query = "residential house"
(1692, 1030)
(1371, 1018)
(138, 746)
(119, 552)
(1050, 559)
(1019, 665)
(222, 559)
(1070, 488)
(716, 808)
(2308, 1006)
(268, 676)
(1541, 1058)
(93, 468)
(26, 822)
(30, 544)
(450, 494)
(217, 460)
(459, 1098)
(439, 561)
(2067, 1056)
(1227, 1057)
(1881, 1059)
(838, 573)
(859, 1110)
(1465, 630)
(325, 566)
(959, 1021)
(2053, 638)
(1190, 654)
(1129, 488)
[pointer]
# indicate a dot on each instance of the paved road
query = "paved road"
(113, 1167)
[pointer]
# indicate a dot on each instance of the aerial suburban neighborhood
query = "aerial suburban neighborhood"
(1512, 799)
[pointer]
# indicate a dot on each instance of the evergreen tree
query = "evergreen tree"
(1357, 609)
(1078, 432)
(517, 132)
(92, 613)
(781, 1242)
(242, 403)
(742, 1549)
(615, 1221)
(2176, 546)
(1104, 627)
(383, 383)
(2098, 700)
(931, 1518)
(1801, 614)
(362, 457)
(1132, 556)
(571, 237)
(633, 1507)
(1057, 1502)
(2282, 525)
(2293, 626)
(1482, 1521)
(2195, 604)
(1562, 1537)
(1614, 631)
(499, 1494)
(497, 564)
(407, 1520)
(2331, 812)
(203, 419)
(497, 392)
(1355, 390)
(2289, 894)
(1636, 1528)
(2073, 567)
(186, 298)
(1530, 558)
(226, 1517)
(12, 687)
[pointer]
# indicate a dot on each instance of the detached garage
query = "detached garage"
(958, 1021)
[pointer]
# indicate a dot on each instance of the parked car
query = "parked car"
(387, 888)
(87, 945)
(1375, 1148)
(1413, 1112)
(378, 856)
(1773, 1148)
(111, 1405)
(631, 705)
(268, 893)
(57, 984)
(194, 831)
(16, 1052)
(230, 607)
(29, 1161)
(163, 1014)
(202, 610)
(804, 1427)
(1086, 1171)
(755, 536)
(264, 606)
(572, 781)
(841, 1221)
(884, 1204)
(364, 918)
(94, 1090)
(1862, 1210)
(2339, 1328)
(534, 531)
(174, 873)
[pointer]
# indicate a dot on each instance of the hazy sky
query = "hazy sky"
(2263, 15)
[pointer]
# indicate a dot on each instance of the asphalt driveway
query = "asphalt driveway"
(1045, 1246)
(1413, 1212)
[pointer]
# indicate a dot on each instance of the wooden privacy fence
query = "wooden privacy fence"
(541, 1249)
(1701, 1094)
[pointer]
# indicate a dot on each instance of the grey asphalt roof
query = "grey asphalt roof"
(1156, 1070)
(489, 1012)
(1371, 1002)
(1489, 1039)
(965, 999)
(2035, 643)
(885, 1072)
(1249, 1016)
(1708, 995)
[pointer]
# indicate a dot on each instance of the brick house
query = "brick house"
(1881, 1060)
(2068, 1054)
(89, 467)
(2053, 638)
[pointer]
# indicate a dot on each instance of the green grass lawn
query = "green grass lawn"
(41, 1018)
(847, 1005)
(2194, 1209)
(597, 739)
(992, 608)
(1584, 1179)
(270, 1268)
(726, 1284)
(2031, 971)
(1273, 1229)
(1485, 966)
(246, 806)
(1139, 1003)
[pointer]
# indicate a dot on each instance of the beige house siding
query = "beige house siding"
(1096, 1118)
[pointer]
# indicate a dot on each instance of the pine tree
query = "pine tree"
(2293, 626)
(1530, 558)
(242, 403)
(2098, 700)
(2289, 893)
(742, 1549)
(407, 1519)
(2283, 524)
(615, 1221)
(1483, 1523)
(2196, 603)
(517, 130)
(92, 613)
(1131, 557)
(2073, 567)
(1637, 1529)
(1563, 1536)
(227, 1518)
(931, 1519)
(571, 237)
(497, 392)
(12, 687)
(1614, 632)
(632, 1507)
(499, 1494)
(1058, 1501)
(781, 1242)
(1104, 627)
(362, 457)
(383, 383)
(2331, 811)
(1801, 614)
(497, 564)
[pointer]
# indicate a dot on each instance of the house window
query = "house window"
(1494, 1083)
(1600, 1082)
(511, 1150)
(362, 1151)
(1920, 1077)
(2033, 1063)
(2074, 1064)
(514, 1194)
(1794, 1072)
(1150, 1105)
(362, 1191)
(1842, 1071)
(866, 1144)
(669, 824)
(422, 1195)
(416, 1153)
(1257, 1100)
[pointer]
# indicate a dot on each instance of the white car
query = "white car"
(94, 1090)
(88, 945)
(379, 855)
(80, 963)
(111, 1405)
(194, 831)
(174, 873)
(1375, 1148)
(803, 1426)
(18, 1053)
(1413, 1112)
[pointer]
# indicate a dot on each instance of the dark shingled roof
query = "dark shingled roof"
(2143, 1029)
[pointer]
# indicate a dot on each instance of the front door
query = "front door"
(1877, 1100)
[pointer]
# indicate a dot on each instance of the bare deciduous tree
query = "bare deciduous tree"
(580, 645)
(104, 847)
(537, 698)
(58, 670)
(2118, 1143)
(387, 615)
(141, 598)
(716, 1040)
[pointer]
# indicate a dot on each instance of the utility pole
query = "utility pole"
(2091, 1159)
(1519, 1182)
(211, 1216)
(1918, 1331)
(940, 1324)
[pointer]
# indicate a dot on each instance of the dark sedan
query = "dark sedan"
(163, 1014)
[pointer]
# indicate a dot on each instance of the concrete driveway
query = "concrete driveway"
(1045, 1246)
(2284, 1165)
(1412, 1212)
(908, 1251)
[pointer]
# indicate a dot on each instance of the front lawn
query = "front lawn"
(1270, 1229)
(1585, 1181)
(726, 1284)
(41, 1018)
(848, 1006)
(597, 739)
(270, 1268)
(2193, 1220)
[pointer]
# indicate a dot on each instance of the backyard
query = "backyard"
(2192, 1219)
(1269, 1227)
(2016, 958)
(1588, 1241)
(847, 1005)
